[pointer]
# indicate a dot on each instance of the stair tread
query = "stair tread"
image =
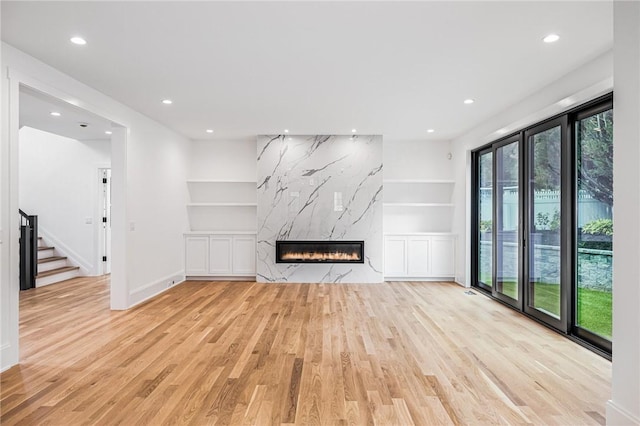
(45, 248)
(57, 271)
(51, 259)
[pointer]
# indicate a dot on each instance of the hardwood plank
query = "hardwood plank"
(250, 353)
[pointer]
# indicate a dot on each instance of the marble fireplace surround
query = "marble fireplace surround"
(319, 188)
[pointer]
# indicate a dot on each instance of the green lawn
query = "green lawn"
(594, 311)
(594, 306)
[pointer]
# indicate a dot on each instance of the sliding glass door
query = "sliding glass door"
(594, 227)
(498, 220)
(546, 296)
(485, 220)
(507, 183)
(542, 224)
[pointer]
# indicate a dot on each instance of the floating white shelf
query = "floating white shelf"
(222, 204)
(225, 232)
(219, 181)
(441, 181)
(417, 204)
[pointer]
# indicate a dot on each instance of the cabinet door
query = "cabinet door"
(418, 252)
(443, 254)
(244, 255)
(196, 253)
(395, 256)
(220, 251)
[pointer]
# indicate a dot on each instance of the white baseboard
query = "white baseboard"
(618, 416)
(153, 289)
(86, 268)
(218, 278)
(431, 279)
(8, 357)
(460, 283)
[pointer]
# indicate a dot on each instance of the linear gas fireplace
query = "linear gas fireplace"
(319, 251)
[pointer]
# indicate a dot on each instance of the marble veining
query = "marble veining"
(319, 188)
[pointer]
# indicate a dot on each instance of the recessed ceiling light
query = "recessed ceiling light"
(551, 38)
(78, 40)
(209, 130)
(430, 131)
(469, 101)
(108, 132)
(55, 114)
(353, 130)
(286, 130)
(167, 101)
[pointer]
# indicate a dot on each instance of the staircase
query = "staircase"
(51, 267)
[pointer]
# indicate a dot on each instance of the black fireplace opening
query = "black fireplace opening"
(288, 251)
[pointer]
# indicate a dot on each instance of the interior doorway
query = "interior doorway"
(118, 135)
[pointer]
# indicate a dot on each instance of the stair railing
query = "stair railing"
(28, 250)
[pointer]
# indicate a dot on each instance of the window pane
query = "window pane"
(594, 276)
(544, 219)
(507, 220)
(485, 215)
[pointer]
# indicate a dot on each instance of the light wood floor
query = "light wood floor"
(244, 353)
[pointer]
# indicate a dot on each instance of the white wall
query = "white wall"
(58, 181)
(585, 83)
(226, 159)
(624, 406)
(149, 170)
(417, 159)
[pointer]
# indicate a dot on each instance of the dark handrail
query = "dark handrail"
(28, 250)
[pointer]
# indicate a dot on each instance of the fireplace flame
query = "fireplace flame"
(336, 255)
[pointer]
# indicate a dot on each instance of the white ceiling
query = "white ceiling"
(247, 68)
(36, 109)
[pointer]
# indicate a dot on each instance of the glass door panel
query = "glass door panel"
(507, 220)
(594, 202)
(544, 218)
(485, 218)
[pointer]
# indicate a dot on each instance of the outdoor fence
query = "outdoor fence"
(547, 203)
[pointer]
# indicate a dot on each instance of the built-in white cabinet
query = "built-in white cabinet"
(443, 250)
(418, 242)
(419, 256)
(196, 255)
(243, 259)
(222, 219)
(220, 255)
(395, 256)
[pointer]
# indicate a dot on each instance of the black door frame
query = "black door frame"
(561, 323)
(582, 333)
(568, 227)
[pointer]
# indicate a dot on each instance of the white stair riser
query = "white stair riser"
(52, 279)
(45, 253)
(42, 267)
